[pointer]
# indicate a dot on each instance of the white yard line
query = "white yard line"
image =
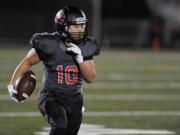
(20, 114)
(117, 97)
(131, 97)
(141, 77)
(133, 85)
(89, 129)
(133, 113)
(99, 114)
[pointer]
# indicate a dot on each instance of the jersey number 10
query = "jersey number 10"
(69, 73)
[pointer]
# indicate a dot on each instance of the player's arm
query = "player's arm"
(30, 59)
(87, 67)
(88, 70)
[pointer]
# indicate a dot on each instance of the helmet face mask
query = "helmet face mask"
(76, 36)
(71, 16)
(76, 32)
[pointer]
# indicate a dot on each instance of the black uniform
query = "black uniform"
(61, 99)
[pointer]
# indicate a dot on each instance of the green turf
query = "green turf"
(157, 72)
(169, 123)
(21, 126)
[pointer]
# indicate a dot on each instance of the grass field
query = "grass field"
(137, 89)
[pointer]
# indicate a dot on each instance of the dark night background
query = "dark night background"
(120, 20)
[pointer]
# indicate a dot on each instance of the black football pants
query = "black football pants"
(62, 111)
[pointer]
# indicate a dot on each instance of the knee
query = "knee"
(56, 114)
(57, 131)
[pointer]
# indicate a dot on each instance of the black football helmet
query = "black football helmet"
(70, 16)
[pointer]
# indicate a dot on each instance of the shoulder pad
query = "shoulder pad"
(89, 47)
(43, 43)
(38, 36)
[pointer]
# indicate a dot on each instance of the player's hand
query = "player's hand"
(76, 51)
(12, 92)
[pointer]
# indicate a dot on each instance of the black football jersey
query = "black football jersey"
(61, 72)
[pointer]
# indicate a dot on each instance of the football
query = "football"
(25, 85)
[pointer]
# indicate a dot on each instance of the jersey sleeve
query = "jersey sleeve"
(88, 58)
(89, 48)
(35, 43)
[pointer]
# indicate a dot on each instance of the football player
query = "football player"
(67, 55)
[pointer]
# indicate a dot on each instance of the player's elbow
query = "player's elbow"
(90, 79)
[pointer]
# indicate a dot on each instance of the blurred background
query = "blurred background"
(115, 23)
(137, 87)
